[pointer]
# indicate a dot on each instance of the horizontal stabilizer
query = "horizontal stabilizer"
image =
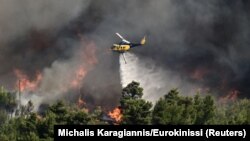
(143, 41)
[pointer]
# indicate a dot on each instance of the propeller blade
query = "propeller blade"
(119, 36)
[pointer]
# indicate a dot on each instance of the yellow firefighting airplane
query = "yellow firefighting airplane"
(125, 45)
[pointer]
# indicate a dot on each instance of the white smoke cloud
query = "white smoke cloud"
(58, 79)
(154, 80)
(55, 83)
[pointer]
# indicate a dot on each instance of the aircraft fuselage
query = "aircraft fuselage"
(120, 48)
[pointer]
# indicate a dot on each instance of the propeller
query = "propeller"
(123, 39)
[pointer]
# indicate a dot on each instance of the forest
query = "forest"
(25, 124)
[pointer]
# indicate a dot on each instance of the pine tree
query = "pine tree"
(135, 110)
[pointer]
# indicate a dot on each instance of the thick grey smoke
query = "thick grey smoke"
(196, 42)
(29, 34)
(17, 17)
(204, 43)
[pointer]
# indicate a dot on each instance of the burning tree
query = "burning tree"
(116, 114)
(24, 83)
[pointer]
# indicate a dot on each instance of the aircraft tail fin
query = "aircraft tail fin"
(143, 40)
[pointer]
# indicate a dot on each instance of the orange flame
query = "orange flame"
(80, 103)
(199, 73)
(88, 55)
(23, 82)
(116, 114)
(87, 58)
(231, 96)
(79, 75)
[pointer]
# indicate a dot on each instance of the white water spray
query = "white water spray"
(155, 81)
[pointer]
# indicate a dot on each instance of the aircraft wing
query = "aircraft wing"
(123, 39)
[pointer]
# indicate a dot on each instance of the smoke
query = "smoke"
(204, 43)
(154, 80)
(190, 45)
(30, 37)
(17, 17)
